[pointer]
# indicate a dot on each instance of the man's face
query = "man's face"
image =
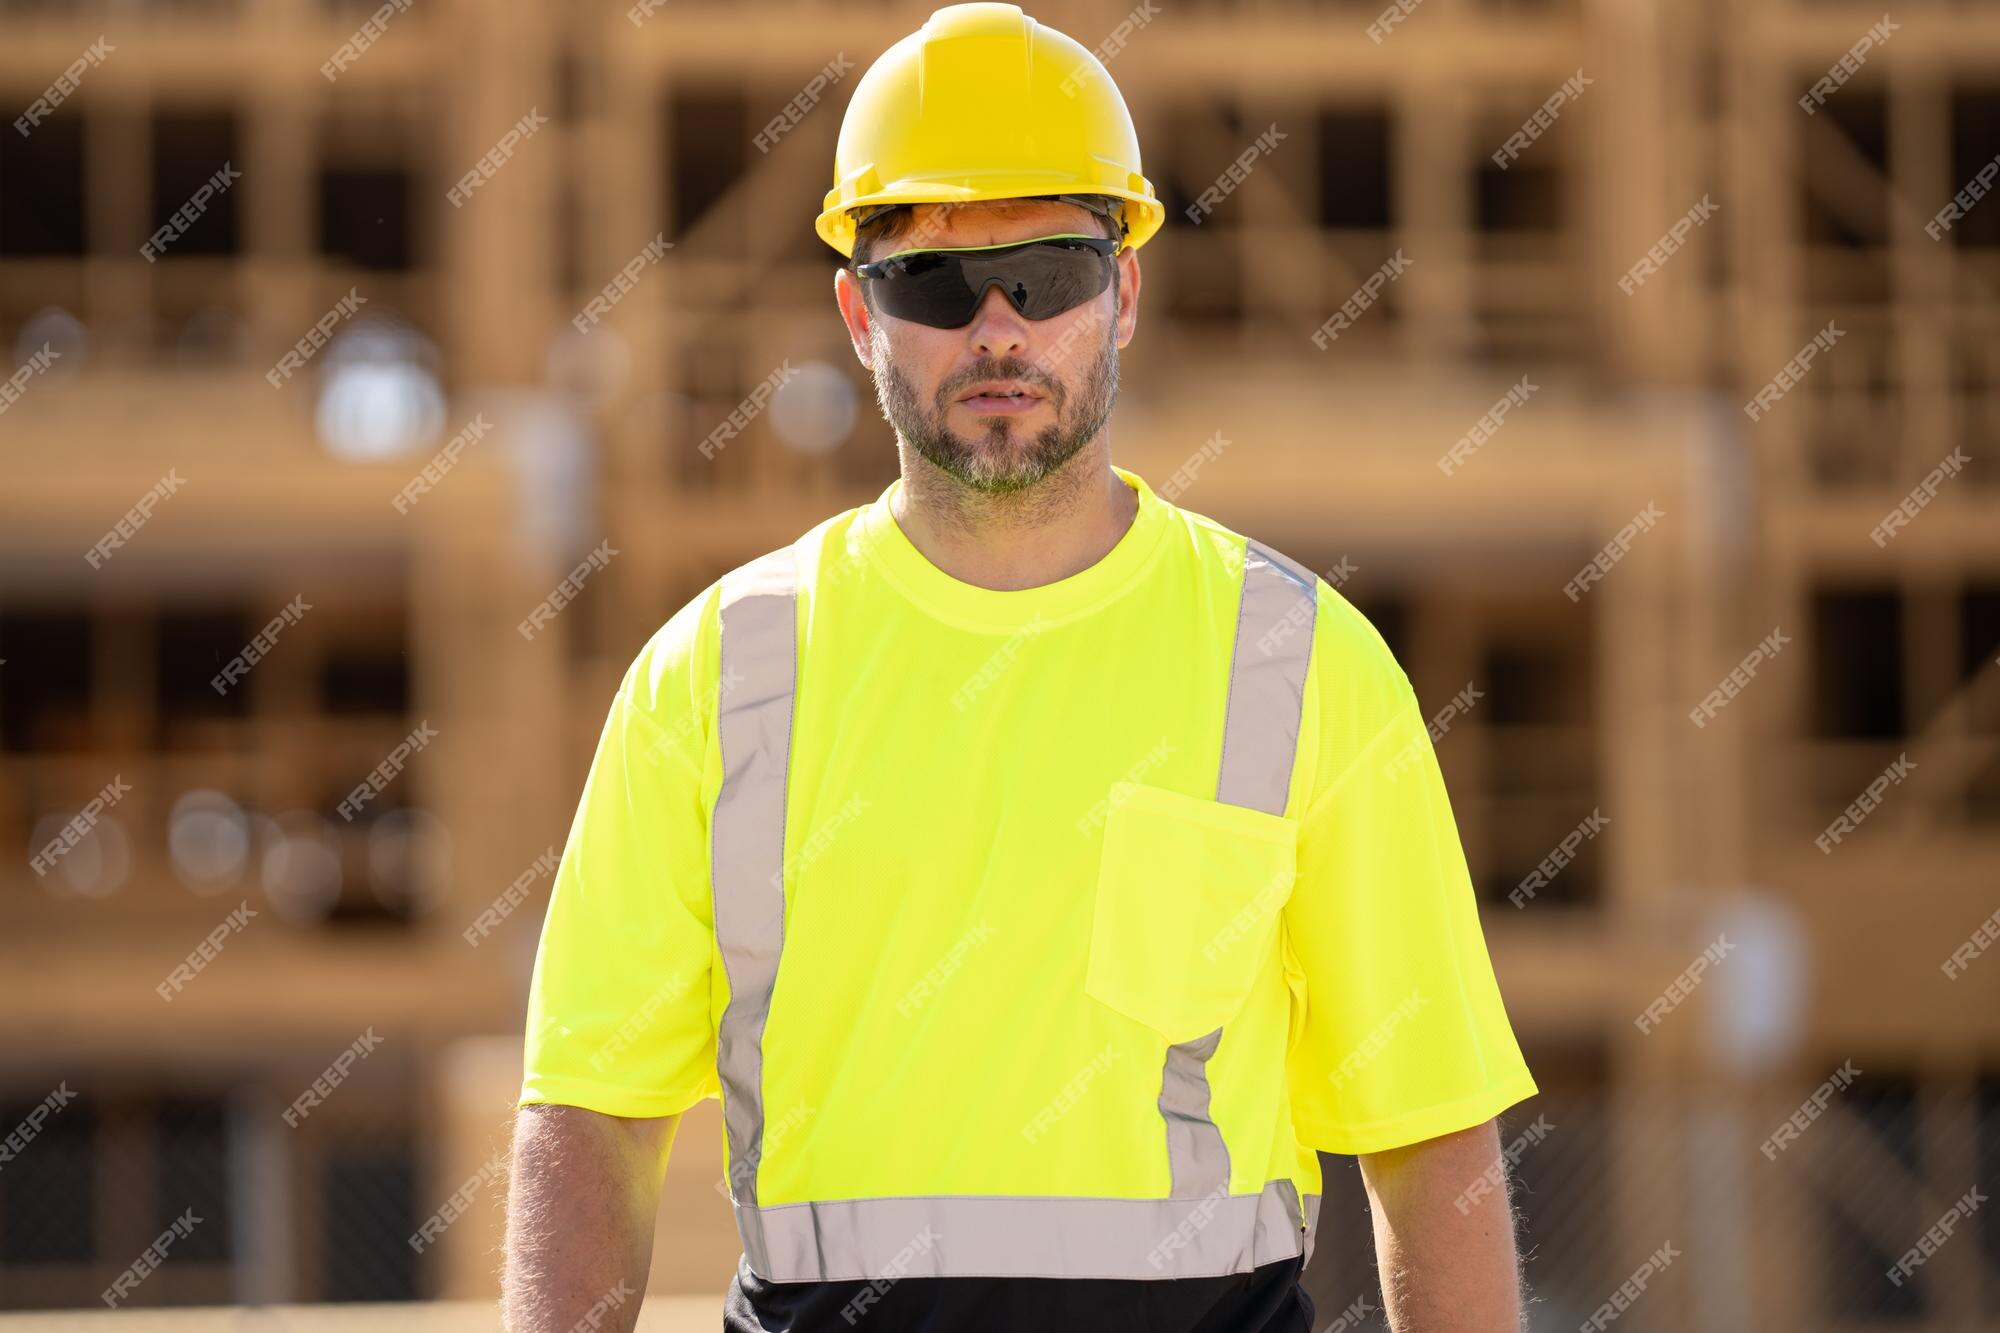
(925, 377)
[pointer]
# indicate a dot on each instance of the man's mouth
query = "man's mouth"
(998, 391)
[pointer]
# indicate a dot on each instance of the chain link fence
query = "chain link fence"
(1807, 1208)
(239, 1206)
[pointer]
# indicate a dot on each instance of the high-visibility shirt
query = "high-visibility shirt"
(1034, 933)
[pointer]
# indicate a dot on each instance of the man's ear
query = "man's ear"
(1125, 285)
(854, 312)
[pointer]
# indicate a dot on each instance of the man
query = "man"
(1040, 873)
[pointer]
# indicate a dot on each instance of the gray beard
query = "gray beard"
(1000, 460)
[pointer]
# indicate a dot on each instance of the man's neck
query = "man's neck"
(1060, 526)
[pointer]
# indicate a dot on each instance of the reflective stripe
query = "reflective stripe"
(759, 623)
(1000, 1236)
(1197, 1158)
(1260, 735)
(1267, 680)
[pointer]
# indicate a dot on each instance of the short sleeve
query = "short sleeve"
(618, 1010)
(1404, 1036)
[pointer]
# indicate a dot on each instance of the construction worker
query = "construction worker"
(1041, 874)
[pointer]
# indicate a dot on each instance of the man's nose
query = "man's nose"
(996, 325)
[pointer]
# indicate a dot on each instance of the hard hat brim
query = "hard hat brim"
(1140, 212)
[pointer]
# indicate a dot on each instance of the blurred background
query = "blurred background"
(304, 417)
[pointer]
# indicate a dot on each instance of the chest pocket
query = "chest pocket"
(1187, 911)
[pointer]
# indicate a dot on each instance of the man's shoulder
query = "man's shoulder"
(1224, 549)
(688, 639)
(1343, 637)
(822, 552)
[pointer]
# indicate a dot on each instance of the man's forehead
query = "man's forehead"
(991, 221)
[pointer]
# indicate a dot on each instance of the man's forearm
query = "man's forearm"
(586, 1188)
(1445, 1268)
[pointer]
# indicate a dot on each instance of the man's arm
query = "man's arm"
(586, 1188)
(1444, 1268)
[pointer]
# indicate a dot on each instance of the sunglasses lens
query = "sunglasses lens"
(944, 288)
(1042, 280)
(926, 288)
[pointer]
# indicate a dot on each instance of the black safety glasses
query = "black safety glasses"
(943, 288)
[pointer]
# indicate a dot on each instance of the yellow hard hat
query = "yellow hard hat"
(983, 102)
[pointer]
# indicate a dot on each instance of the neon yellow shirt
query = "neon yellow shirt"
(1001, 853)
